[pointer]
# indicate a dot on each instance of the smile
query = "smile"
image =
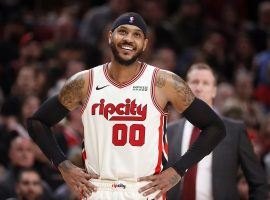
(128, 48)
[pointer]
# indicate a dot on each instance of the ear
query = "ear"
(145, 44)
(110, 37)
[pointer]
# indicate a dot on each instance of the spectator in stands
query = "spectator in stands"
(21, 155)
(29, 186)
(30, 105)
(25, 83)
(252, 111)
(262, 68)
(259, 31)
(224, 91)
(96, 19)
(188, 23)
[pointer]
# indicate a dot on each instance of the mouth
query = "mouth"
(127, 48)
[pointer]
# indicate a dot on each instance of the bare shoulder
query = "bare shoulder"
(161, 79)
(175, 89)
(75, 90)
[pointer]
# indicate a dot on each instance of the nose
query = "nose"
(128, 38)
(198, 88)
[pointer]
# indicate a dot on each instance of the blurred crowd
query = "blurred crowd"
(42, 43)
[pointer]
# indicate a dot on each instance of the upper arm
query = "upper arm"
(174, 89)
(74, 92)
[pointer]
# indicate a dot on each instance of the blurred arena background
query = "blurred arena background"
(42, 43)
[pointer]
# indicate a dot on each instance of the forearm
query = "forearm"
(44, 138)
(212, 132)
(49, 114)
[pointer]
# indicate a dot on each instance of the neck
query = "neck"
(121, 73)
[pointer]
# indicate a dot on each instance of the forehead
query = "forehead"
(30, 176)
(20, 142)
(201, 74)
(129, 27)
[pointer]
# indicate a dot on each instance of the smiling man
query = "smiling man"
(124, 116)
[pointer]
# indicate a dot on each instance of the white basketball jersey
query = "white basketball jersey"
(124, 127)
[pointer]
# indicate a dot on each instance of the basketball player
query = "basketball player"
(123, 112)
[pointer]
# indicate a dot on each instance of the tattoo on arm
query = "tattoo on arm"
(183, 90)
(71, 91)
(160, 80)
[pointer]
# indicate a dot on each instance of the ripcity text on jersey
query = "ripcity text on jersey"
(124, 127)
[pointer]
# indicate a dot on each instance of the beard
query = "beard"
(122, 61)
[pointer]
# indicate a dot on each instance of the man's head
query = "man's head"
(21, 152)
(203, 82)
(244, 79)
(29, 186)
(127, 38)
(264, 14)
(25, 82)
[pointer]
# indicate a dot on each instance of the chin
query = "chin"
(126, 60)
(122, 59)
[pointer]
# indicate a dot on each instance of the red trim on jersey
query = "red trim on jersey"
(113, 82)
(84, 155)
(90, 85)
(153, 95)
(160, 134)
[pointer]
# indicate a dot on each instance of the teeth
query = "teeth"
(127, 48)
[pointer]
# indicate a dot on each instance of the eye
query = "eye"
(195, 82)
(206, 83)
(122, 31)
(137, 35)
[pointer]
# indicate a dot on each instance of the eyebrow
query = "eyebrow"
(135, 29)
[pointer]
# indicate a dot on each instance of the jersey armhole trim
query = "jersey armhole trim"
(153, 95)
(89, 90)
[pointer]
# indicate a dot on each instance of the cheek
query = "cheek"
(24, 189)
(116, 39)
(139, 44)
(39, 189)
(213, 92)
(18, 154)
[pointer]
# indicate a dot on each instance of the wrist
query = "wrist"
(64, 165)
(181, 174)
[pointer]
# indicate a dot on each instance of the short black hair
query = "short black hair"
(25, 170)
